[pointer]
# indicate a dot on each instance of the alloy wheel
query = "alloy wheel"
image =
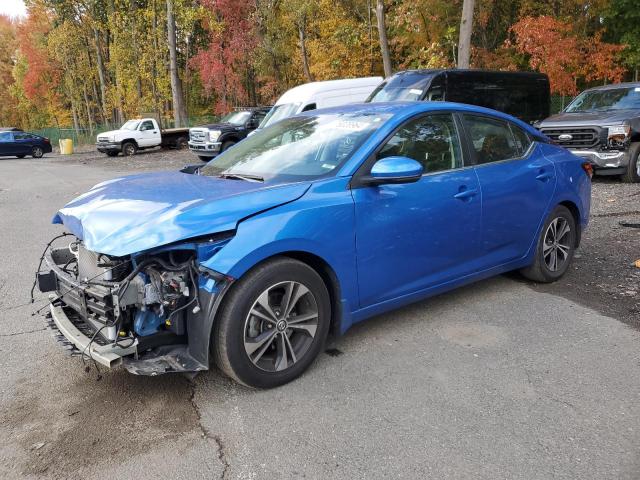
(281, 326)
(37, 152)
(557, 244)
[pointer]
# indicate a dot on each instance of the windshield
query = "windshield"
(130, 125)
(299, 148)
(609, 99)
(236, 118)
(280, 112)
(403, 87)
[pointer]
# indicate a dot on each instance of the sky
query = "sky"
(13, 8)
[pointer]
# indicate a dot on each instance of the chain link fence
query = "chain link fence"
(559, 103)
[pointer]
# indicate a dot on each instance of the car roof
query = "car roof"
(304, 91)
(613, 86)
(407, 109)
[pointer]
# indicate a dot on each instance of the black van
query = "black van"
(524, 95)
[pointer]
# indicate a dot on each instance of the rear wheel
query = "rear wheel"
(129, 149)
(37, 152)
(182, 143)
(632, 174)
(273, 324)
(555, 248)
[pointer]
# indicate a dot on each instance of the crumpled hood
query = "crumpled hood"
(137, 213)
(611, 117)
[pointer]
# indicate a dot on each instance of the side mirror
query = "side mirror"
(394, 170)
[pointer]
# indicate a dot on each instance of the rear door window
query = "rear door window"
(523, 141)
(491, 140)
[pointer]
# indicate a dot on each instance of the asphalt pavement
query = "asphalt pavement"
(498, 380)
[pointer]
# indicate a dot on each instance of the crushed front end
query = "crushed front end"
(150, 312)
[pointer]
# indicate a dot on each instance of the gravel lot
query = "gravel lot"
(502, 379)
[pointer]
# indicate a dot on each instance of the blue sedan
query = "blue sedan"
(20, 144)
(310, 226)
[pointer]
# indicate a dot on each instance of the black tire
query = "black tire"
(112, 154)
(632, 174)
(227, 145)
(233, 322)
(540, 270)
(129, 149)
(182, 143)
(37, 152)
(203, 158)
(20, 156)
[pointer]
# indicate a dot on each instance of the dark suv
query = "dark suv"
(602, 125)
(208, 141)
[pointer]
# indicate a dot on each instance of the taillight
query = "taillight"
(588, 169)
(46, 140)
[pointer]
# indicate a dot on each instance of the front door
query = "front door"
(414, 236)
(149, 134)
(517, 184)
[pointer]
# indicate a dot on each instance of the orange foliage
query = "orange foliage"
(555, 49)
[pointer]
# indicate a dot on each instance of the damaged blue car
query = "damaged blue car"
(307, 227)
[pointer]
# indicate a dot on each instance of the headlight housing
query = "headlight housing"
(618, 134)
(214, 135)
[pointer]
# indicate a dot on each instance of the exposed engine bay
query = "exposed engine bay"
(136, 307)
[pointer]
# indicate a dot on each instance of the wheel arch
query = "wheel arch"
(575, 212)
(326, 273)
(128, 140)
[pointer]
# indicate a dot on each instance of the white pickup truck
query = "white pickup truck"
(140, 134)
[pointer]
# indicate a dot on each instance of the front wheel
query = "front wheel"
(273, 324)
(632, 174)
(555, 248)
(203, 158)
(129, 149)
(37, 152)
(227, 145)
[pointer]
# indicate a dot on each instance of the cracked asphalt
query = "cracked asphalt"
(499, 380)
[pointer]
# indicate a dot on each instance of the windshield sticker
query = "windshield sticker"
(352, 125)
(415, 91)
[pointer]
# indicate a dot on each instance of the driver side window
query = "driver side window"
(147, 125)
(431, 140)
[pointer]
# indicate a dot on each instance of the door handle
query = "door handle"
(544, 176)
(155, 132)
(465, 194)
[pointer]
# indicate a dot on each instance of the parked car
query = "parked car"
(314, 95)
(20, 144)
(525, 95)
(207, 141)
(140, 134)
(315, 223)
(602, 125)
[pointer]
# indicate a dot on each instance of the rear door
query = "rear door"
(517, 184)
(23, 143)
(414, 236)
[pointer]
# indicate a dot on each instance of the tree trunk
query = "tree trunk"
(384, 43)
(179, 114)
(101, 74)
(303, 51)
(466, 27)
